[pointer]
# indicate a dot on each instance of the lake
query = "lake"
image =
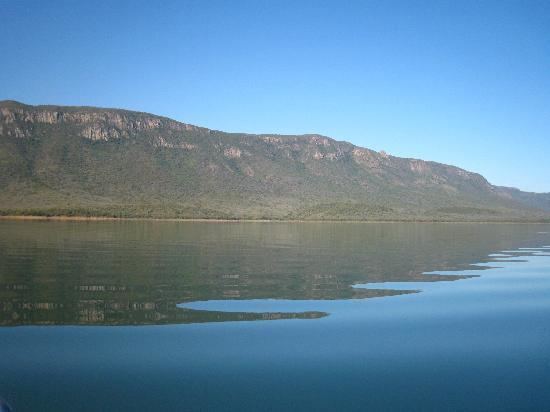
(160, 315)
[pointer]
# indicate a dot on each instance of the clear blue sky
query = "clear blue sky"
(460, 82)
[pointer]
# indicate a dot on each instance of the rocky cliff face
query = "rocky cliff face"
(118, 157)
(17, 120)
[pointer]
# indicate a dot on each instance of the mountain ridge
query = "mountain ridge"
(116, 162)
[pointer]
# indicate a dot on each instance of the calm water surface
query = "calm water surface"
(274, 316)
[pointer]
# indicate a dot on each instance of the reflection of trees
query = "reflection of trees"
(136, 272)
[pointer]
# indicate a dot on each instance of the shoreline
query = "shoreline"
(62, 218)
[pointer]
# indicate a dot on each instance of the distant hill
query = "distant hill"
(57, 160)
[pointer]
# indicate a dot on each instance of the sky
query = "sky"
(459, 82)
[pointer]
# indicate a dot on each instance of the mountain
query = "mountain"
(57, 160)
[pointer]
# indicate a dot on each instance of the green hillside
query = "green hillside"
(107, 162)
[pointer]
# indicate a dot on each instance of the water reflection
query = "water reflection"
(137, 273)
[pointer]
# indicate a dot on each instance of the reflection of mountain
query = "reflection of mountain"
(132, 273)
(101, 311)
(115, 304)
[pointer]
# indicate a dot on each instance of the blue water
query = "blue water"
(474, 344)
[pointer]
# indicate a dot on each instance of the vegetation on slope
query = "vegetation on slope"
(106, 162)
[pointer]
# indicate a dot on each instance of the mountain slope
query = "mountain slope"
(94, 161)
